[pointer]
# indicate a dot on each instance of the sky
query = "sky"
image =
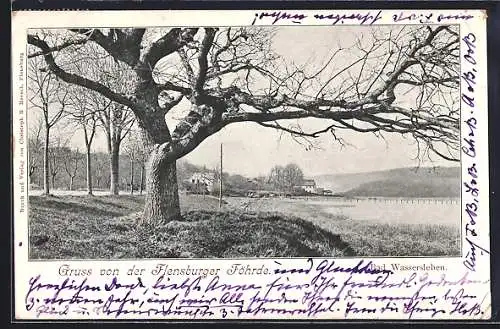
(252, 150)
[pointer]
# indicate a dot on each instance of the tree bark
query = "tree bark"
(46, 163)
(71, 183)
(114, 169)
(89, 172)
(162, 199)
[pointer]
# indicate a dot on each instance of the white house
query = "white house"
(203, 179)
(308, 185)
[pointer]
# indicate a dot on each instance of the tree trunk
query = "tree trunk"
(53, 181)
(114, 167)
(46, 163)
(142, 178)
(162, 199)
(71, 183)
(89, 172)
(131, 176)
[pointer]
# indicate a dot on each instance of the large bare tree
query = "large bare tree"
(48, 94)
(398, 80)
(85, 114)
(116, 121)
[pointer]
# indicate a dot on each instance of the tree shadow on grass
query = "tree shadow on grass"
(73, 207)
(104, 202)
(315, 233)
(198, 234)
(205, 234)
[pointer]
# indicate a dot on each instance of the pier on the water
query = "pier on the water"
(403, 200)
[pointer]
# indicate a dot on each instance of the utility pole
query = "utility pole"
(220, 179)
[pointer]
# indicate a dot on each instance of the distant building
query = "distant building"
(319, 190)
(204, 180)
(327, 192)
(308, 185)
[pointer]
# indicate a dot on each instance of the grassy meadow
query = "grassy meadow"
(97, 227)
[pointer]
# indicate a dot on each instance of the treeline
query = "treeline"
(67, 171)
(281, 179)
(233, 184)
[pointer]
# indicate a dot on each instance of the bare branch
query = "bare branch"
(122, 44)
(76, 79)
(295, 132)
(202, 58)
(172, 87)
(187, 65)
(167, 44)
(63, 45)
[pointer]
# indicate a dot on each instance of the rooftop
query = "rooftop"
(308, 182)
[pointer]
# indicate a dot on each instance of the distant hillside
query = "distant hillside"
(403, 182)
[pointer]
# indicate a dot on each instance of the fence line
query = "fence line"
(405, 200)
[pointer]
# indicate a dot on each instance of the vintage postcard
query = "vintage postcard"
(208, 165)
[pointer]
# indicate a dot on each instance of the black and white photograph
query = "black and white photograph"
(244, 142)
